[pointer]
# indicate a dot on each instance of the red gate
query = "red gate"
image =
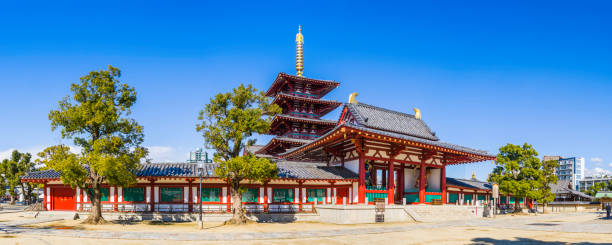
(63, 199)
(341, 193)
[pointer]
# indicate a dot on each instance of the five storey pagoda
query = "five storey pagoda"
(302, 107)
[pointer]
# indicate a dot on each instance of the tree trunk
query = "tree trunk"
(95, 215)
(517, 206)
(12, 202)
(238, 216)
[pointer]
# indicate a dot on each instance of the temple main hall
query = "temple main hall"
(369, 154)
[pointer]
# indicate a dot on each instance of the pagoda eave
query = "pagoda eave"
(282, 78)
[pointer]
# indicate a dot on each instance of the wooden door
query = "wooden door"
(64, 199)
(342, 193)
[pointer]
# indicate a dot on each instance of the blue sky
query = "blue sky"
(483, 73)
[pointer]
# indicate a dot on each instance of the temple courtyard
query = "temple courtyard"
(580, 228)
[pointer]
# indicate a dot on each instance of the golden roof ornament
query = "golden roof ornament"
(352, 99)
(299, 56)
(473, 175)
(417, 113)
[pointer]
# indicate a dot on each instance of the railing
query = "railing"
(375, 188)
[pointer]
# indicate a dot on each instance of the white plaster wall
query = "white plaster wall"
(120, 194)
(433, 180)
(186, 194)
(78, 197)
(355, 190)
(353, 166)
(194, 191)
(112, 194)
(224, 195)
(269, 194)
(48, 198)
(148, 191)
(156, 194)
(261, 195)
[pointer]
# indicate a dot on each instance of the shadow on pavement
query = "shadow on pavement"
(520, 240)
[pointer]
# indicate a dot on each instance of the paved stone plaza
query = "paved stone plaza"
(574, 224)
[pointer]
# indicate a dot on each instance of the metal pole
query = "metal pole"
(200, 200)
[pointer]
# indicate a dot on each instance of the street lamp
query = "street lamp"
(200, 172)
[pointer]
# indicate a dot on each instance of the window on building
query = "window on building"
(104, 193)
(315, 194)
(210, 194)
(282, 195)
(171, 194)
(250, 195)
(134, 194)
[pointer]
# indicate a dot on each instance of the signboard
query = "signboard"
(495, 191)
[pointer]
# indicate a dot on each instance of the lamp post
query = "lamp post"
(200, 170)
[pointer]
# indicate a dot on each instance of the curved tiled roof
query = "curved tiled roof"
(469, 183)
(388, 120)
(310, 170)
(292, 170)
(398, 136)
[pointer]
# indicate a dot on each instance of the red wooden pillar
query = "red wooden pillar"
(116, 196)
(45, 198)
(443, 183)
(190, 200)
(361, 178)
(265, 185)
(299, 194)
(400, 174)
(391, 183)
(422, 184)
(229, 198)
(152, 184)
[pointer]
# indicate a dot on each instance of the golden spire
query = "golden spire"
(299, 58)
(473, 175)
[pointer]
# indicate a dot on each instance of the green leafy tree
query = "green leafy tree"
(547, 177)
(227, 124)
(518, 172)
(95, 117)
(13, 169)
(597, 187)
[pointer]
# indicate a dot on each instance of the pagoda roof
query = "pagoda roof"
(286, 170)
(282, 77)
(327, 105)
(277, 141)
(304, 120)
(374, 117)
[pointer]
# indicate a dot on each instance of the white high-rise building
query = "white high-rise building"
(571, 169)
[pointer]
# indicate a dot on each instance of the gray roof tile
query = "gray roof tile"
(388, 120)
(294, 170)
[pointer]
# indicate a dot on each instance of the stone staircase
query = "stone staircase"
(434, 213)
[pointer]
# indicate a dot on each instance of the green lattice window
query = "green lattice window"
(453, 197)
(315, 194)
(104, 194)
(250, 195)
(171, 194)
(134, 194)
(282, 195)
(210, 194)
(467, 198)
(481, 197)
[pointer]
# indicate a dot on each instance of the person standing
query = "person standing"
(608, 211)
